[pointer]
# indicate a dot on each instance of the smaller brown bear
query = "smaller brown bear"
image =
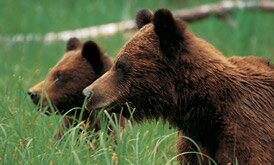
(81, 64)
(165, 71)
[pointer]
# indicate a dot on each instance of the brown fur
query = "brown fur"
(165, 71)
(66, 80)
(251, 63)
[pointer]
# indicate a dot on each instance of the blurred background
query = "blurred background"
(26, 135)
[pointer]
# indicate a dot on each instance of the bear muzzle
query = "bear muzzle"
(101, 95)
(95, 100)
(86, 92)
(33, 95)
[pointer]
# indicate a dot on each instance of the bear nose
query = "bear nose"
(33, 94)
(87, 92)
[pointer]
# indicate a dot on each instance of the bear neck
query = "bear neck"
(207, 84)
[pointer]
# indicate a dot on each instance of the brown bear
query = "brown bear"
(81, 64)
(165, 71)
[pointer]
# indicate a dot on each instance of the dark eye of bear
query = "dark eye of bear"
(121, 70)
(58, 76)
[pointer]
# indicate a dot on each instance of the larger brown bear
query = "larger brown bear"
(165, 71)
(81, 64)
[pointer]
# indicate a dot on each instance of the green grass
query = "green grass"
(26, 136)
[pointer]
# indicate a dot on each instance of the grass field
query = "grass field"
(26, 136)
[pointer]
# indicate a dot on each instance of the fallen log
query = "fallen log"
(190, 15)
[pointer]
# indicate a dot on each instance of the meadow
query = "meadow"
(26, 136)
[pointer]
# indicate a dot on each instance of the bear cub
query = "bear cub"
(81, 64)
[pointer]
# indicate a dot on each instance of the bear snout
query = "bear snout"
(33, 95)
(87, 92)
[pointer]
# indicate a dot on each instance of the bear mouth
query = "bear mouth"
(110, 108)
(45, 109)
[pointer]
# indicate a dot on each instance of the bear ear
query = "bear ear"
(143, 17)
(73, 43)
(92, 53)
(169, 31)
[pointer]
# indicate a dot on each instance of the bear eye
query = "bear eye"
(122, 70)
(58, 76)
(120, 67)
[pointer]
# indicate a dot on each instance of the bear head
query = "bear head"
(148, 67)
(81, 64)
